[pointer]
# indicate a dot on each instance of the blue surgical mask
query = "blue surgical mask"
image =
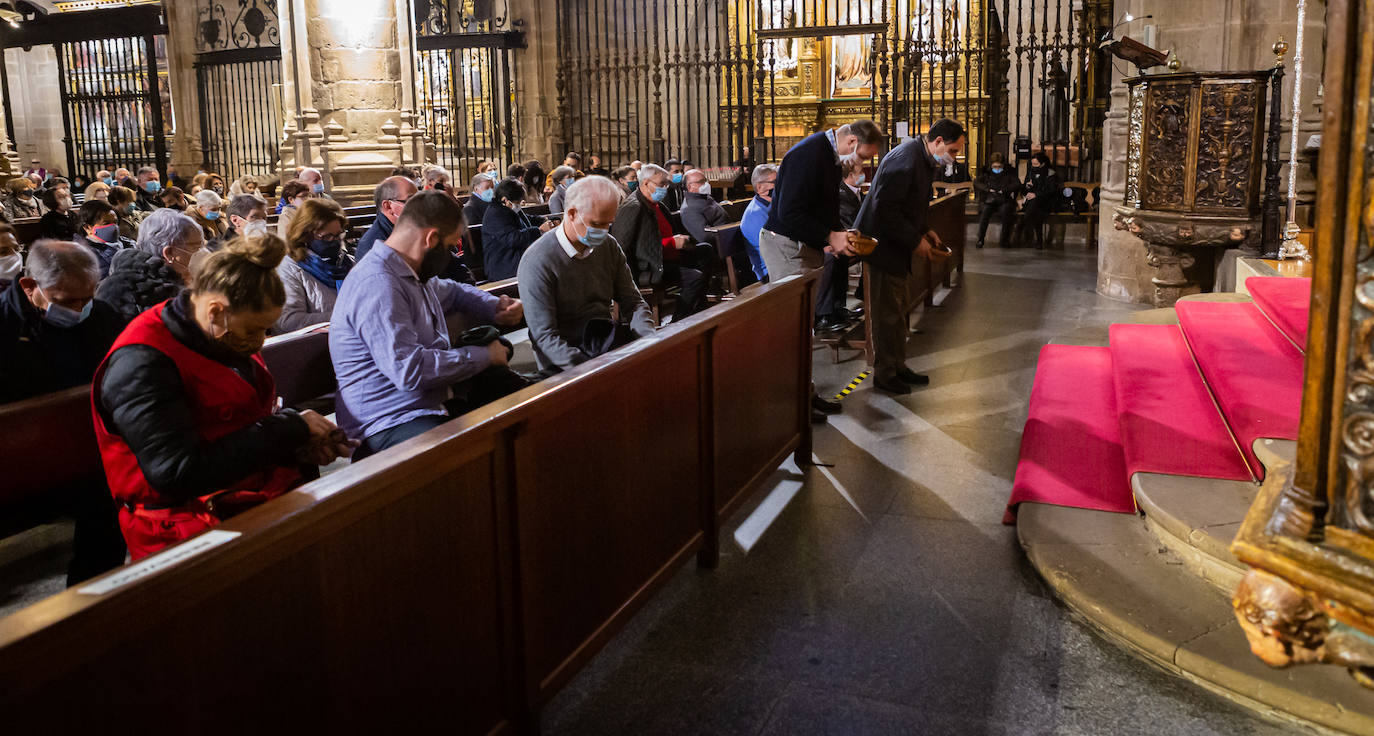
(212, 215)
(108, 233)
(60, 316)
(677, 178)
(660, 193)
(860, 181)
(997, 169)
(594, 236)
(486, 195)
(493, 175)
(129, 208)
(318, 187)
(152, 187)
(109, 180)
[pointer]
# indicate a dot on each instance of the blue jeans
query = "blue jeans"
(396, 435)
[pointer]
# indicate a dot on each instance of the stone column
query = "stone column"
(536, 70)
(186, 148)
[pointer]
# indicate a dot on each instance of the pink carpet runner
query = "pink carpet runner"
(1285, 302)
(1071, 449)
(1254, 372)
(1169, 423)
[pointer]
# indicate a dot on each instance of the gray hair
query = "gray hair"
(648, 172)
(478, 180)
(51, 261)
(761, 171)
(435, 173)
(166, 228)
(390, 188)
(309, 170)
(561, 173)
(587, 192)
(146, 170)
(208, 198)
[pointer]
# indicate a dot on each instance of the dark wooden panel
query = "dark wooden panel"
(757, 386)
(49, 444)
(608, 501)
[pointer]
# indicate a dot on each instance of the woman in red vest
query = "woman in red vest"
(185, 410)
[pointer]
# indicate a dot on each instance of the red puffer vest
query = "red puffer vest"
(221, 402)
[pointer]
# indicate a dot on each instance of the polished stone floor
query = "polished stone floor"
(883, 595)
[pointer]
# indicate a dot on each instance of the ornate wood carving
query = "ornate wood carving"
(1167, 115)
(1226, 142)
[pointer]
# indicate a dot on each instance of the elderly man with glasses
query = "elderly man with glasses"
(390, 198)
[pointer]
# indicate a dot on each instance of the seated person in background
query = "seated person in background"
(294, 194)
(595, 167)
(20, 201)
(628, 179)
(246, 185)
(389, 342)
(157, 268)
(149, 186)
(98, 190)
(126, 210)
(104, 176)
(569, 278)
(123, 178)
(247, 215)
(438, 179)
(314, 180)
(11, 263)
(699, 210)
(676, 190)
(514, 171)
(572, 161)
(389, 198)
(408, 172)
(174, 198)
(534, 183)
(831, 313)
(1042, 195)
(507, 231)
(561, 178)
(59, 222)
(207, 213)
(315, 264)
(100, 233)
(657, 257)
(53, 333)
(955, 173)
(999, 185)
(483, 193)
(756, 214)
(185, 409)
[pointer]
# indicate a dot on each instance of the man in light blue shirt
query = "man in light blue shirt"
(388, 339)
(756, 214)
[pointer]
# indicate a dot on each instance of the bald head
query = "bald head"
(694, 179)
(390, 196)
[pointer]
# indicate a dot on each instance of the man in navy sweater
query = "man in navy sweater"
(895, 214)
(804, 222)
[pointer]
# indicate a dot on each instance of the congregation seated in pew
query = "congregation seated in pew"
(507, 231)
(659, 257)
(315, 264)
(699, 209)
(157, 268)
(570, 277)
(396, 363)
(763, 179)
(389, 198)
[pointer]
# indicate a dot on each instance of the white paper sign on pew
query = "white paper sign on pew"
(159, 562)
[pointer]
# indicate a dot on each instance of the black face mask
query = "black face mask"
(434, 263)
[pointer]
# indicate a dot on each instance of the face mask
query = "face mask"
(486, 195)
(594, 236)
(217, 189)
(849, 160)
(660, 193)
(860, 181)
(109, 180)
(631, 186)
(108, 233)
(298, 202)
(212, 215)
(997, 169)
(64, 202)
(129, 208)
(704, 189)
(235, 343)
(435, 262)
(318, 188)
(60, 316)
(152, 187)
(326, 249)
(946, 159)
(255, 228)
(677, 178)
(493, 176)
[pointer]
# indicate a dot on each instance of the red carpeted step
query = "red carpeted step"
(1071, 448)
(1285, 302)
(1254, 372)
(1169, 422)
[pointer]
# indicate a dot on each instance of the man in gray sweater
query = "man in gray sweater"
(569, 277)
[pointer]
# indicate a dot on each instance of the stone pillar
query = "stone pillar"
(187, 152)
(37, 107)
(535, 70)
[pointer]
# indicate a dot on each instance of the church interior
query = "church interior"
(736, 367)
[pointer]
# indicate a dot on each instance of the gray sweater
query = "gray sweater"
(561, 294)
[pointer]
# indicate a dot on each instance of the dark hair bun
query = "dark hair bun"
(265, 251)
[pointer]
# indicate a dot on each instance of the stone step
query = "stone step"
(1112, 571)
(1286, 302)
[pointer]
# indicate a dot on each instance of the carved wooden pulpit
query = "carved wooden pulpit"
(1193, 172)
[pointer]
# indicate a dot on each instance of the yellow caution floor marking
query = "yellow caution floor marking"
(847, 390)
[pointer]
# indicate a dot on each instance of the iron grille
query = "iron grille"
(116, 106)
(240, 111)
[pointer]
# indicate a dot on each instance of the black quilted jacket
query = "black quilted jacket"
(138, 280)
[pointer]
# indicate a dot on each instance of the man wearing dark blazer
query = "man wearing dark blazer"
(895, 213)
(804, 221)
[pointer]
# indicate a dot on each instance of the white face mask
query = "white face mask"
(255, 228)
(705, 189)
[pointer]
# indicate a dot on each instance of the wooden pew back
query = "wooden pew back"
(455, 581)
(49, 445)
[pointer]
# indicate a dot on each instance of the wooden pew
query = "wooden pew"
(49, 446)
(730, 245)
(454, 582)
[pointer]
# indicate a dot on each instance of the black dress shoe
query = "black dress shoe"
(891, 386)
(906, 375)
(825, 406)
(818, 417)
(980, 244)
(830, 324)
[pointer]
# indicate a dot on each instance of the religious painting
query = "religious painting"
(781, 55)
(851, 66)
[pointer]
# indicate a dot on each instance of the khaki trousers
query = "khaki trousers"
(786, 257)
(891, 327)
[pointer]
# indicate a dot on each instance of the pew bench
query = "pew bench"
(1082, 201)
